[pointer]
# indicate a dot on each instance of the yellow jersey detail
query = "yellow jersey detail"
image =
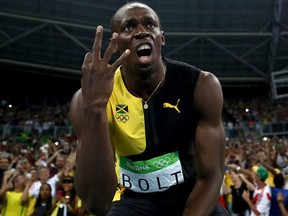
(125, 119)
(168, 105)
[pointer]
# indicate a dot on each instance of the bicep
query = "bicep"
(210, 136)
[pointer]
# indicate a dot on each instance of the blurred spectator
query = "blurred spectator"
(14, 195)
(43, 176)
(4, 165)
(44, 204)
(56, 162)
(67, 199)
(240, 184)
(261, 198)
(283, 208)
(279, 182)
(281, 159)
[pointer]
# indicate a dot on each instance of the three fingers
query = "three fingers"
(94, 57)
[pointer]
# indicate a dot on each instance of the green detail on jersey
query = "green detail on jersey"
(152, 165)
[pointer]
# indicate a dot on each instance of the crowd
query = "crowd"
(37, 166)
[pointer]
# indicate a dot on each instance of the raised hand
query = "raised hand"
(280, 197)
(97, 73)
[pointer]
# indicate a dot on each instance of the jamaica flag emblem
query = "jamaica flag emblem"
(122, 113)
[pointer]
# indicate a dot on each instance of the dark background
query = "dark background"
(43, 43)
(17, 83)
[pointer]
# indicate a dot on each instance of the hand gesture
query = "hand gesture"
(97, 73)
(280, 197)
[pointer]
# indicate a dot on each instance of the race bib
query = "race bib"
(154, 175)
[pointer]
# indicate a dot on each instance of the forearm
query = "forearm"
(2, 194)
(253, 207)
(25, 196)
(72, 209)
(95, 176)
(269, 167)
(201, 200)
(249, 185)
(6, 187)
(283, 209)
(52, 158)
(209, 161)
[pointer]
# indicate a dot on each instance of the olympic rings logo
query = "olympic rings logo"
(122, 118)
(161, 163)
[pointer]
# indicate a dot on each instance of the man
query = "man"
(56, 162)
(43, 175)
(279, 182)
(4, 165)
(157, 121)
(261, 200)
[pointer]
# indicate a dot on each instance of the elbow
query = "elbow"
(97, 203)
(97, 207)
(100, 210)
(24, 201)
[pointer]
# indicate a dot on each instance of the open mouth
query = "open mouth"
(144, 51)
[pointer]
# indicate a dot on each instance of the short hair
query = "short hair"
(125, 5)
(279, 180)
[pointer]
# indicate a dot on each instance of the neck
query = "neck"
(237, 183)
(261, 185)
(144, 83)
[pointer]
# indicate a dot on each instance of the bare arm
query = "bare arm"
(249, 184)
(52, 158)
(246, 197)
(95, 178)
(280, 200)
(226, 190)
(25, 195)
(209, 147)
(5, 186)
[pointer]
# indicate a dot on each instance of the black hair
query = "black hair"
(279, 180)
(125, 5)
(38, 204)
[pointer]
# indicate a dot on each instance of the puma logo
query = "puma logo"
(168, 105)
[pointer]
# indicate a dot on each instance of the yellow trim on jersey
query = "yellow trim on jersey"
(126, 119)
(126, 124)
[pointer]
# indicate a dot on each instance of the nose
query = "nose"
(141, 32)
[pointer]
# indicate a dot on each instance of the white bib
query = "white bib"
(154, 175)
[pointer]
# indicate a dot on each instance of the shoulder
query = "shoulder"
(36, 184)
(53, 179)
(76, 95)
(179, 65)
(285, 192)
(208, 92)
(205, 77)
(208, 77)
(182, 74)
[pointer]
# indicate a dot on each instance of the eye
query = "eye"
(128, 28)
(151, 25)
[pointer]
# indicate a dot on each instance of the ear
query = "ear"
(116, 50)
(163, 38)
(116, 46)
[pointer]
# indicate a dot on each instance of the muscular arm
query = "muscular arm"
(209, 147)
(95, 178)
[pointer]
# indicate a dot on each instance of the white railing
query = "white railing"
(271, 129)
(12, 132)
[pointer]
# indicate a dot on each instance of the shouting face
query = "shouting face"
(139, 30)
